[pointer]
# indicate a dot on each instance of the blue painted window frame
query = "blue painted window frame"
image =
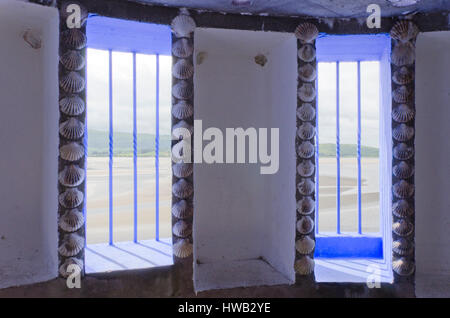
(349, 48)
(117, 35)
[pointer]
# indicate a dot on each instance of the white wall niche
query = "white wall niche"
(244, 222)
(432, 170)
(29, 143)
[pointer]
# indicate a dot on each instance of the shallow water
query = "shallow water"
(98, 210)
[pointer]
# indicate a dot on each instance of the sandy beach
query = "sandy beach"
(98, 211)
(370, 215)
(97, 199)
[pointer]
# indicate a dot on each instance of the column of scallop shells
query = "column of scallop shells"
(306, 34)
(182, 117)
(403, 36)
(71, 177)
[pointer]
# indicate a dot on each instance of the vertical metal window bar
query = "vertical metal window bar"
(157, 152)
(359, 148)
(338, 181)
(338, 160)
(317, 159)
(110, 151)
(134, 152)
(85, 144)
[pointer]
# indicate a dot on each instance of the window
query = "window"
(128, 176)
(348, 146)
(352, 219)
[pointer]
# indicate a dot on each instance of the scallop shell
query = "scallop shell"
(71, 198)
(403, 152)
(402, 247)
(74, 39)
(71, 129)
(178, 154)
(403, 113)
(306, 131)
(201, 56)
(402, 95)
(404, 31)
(306, 112)
(403, 266)
(71, 176)
(306, 205)
(402, 227)
(182, 69)
(402, 209)
(182, 189)
(71, 221)
(306, 187)
(403, 54)
(305, 168)
(306, 32)
(305, 150)
(72, 82)
(304, 265)
(403, 132)
(182, 90)
(261, 59)
(402, 170)
(182, 229)
(33, 39)
(182, 209)
(72, 151)
(70, 261)
(306, 92)
(72, 60)
(185, 132)
(307, 53)
(182, 110)
(403, 189)
(305, 225)
(182, 248)
(183, 25)
(305, 245)
(307, 73)
(182, 48)
(182, 170)
(403, 76)
(72, 244)
(72, 105)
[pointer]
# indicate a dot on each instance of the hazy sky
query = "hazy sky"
(122, 72)
(97, 95)
(348, 103)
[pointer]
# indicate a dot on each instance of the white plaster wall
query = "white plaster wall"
(432, 163)
(280, 187)
(28, 143)
(385, 173)
(228, 213)
(241, 214)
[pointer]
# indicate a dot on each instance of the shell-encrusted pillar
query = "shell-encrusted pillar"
(403, 36)
(306, 34)
(72, 103)
(183, 27)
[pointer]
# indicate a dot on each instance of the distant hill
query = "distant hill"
(98, 144)
(346, 150)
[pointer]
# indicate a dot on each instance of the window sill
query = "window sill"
(352, 270)
(100, 258)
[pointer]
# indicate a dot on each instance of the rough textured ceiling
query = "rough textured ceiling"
(317, 8)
